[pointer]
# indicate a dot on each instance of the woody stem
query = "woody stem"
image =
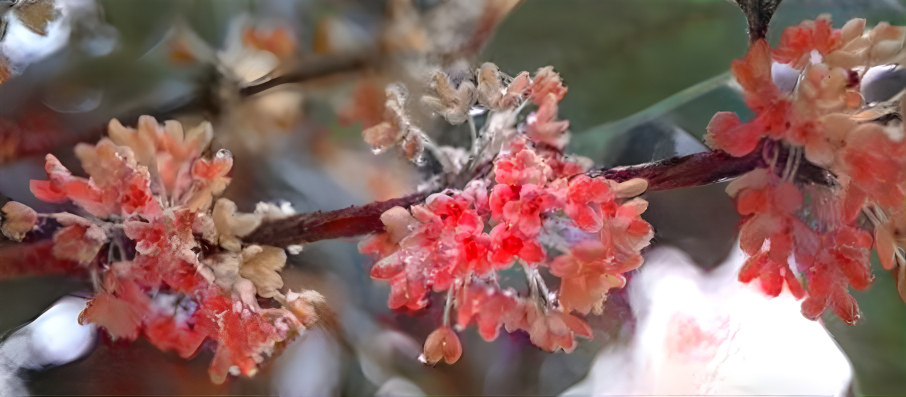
(697, 169)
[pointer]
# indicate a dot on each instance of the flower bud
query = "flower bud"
(442, 344)
(17, 220)
(631, 188)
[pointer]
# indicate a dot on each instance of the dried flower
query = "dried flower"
(396, 129)
(492, 94)
(453, 103)
(17, 220)
(261, 265)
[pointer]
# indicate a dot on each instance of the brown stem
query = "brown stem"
(674, 173)
(758, 15)
(315, 226)
(52, 131)
(310, 70)
(711, 167)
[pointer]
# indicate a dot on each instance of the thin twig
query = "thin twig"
(310, 70)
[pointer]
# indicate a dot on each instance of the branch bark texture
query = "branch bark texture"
(674, 173)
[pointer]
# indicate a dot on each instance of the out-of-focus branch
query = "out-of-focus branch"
(40, 133)
(674, 173)
(311, 70)
(32, 259)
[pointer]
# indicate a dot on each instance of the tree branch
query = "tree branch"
(712, 167)
(310, 70)
(758, 15)
(674, 173)
(348, 222)
(32, 259)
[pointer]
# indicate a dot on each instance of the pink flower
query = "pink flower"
(587, 272)
(876, 164)
(525, 213)
(487, 305)
(521, 167)
(543, 127)
(550, 330)
(588, 201)
(507, 242)
(546, 82)
(455, 214)
(116, 186)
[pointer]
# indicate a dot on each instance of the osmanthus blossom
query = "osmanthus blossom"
(167, 262)
(174, 263)
(536, 210)
(825, 121)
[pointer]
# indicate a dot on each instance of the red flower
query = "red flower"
(473, 255)
(772, 271)
(507, 242)
(407, 293)
(548, 329)
(78, 242)
(877, 164)
(753, 73)
(831, 262)
(116, 185)
(525, 213)
(455, 215)
(588, 201)
(444, 245)
(487, 305)
(797, 42)
(121, 318)
(627, 233)
(771, 218)
(522, 166)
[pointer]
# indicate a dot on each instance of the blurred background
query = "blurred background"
(644, 78)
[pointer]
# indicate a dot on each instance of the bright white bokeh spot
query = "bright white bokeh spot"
(704, 333)
(57, 337)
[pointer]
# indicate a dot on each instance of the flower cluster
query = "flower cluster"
(167, 261)
(822, 117)
(537, 210)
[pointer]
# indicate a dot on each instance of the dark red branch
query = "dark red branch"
(686, 171)
(315, 226)
(32, 259)
(674, 173)
(711, 167)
